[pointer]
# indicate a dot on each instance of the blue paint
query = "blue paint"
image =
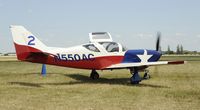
(156, 55)
(131, 56)
(73, 57)
(77, 57)
(90, 57)
(32, 38)
(135, 79)
(44, 72)
(63, 56)
(70, 57)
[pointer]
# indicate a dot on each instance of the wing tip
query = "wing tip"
(177, 62)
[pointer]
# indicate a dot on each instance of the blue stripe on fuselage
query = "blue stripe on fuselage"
(131, 56)
(156, 55)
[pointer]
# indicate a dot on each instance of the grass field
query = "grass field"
(170, 88)
(8, 58)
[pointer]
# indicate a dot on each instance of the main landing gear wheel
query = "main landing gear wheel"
(135, 79)
(146, 75)
(94, 75)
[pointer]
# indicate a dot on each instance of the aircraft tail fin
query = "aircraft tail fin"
(25, 42)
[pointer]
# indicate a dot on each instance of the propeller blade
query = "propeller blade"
(158, 41)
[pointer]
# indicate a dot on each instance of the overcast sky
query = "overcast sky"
(134, 23)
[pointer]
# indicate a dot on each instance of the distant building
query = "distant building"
(10, 54)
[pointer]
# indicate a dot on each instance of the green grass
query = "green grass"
(181, 57)
(170, 88)
(8, 58)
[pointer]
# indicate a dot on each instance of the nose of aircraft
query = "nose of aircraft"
(138, 55)
(155, 55)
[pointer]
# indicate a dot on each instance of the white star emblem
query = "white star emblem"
(144, 58)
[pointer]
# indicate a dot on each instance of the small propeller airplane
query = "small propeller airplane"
(101, 53)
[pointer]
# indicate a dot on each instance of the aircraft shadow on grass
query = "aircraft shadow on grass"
(27, 84)
(81, 79)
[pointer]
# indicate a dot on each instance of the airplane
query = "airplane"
(101, 53)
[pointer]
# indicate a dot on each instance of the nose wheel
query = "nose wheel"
(94, 75)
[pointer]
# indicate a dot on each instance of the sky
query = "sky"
(133, 23)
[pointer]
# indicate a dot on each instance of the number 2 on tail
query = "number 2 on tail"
(31, 41)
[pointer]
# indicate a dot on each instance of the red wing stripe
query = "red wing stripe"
(176, 62)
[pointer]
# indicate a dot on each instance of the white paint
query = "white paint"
(145, 57)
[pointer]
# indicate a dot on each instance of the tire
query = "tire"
(135, 82)
(94, 76)
(146, 76)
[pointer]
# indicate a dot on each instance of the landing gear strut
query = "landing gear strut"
(94, 75)
(135, 79)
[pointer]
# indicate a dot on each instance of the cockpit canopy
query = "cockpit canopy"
(107, 46)
(102, 41)
(110, 46)
(100, 37)
(91, 47)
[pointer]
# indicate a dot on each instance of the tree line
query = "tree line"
(179, 50)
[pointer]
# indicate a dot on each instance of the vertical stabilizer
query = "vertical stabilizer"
(25, 42)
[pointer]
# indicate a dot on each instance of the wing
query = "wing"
(131, 65)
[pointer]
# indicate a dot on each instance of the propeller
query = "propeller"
(158, 41)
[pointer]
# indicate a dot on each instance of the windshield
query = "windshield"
(91, 47)
(124, 48)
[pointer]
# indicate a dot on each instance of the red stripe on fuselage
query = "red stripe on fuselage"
(31, 54)
(96, 63)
